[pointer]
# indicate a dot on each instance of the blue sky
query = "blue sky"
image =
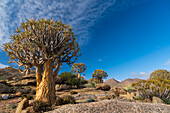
(126, 38)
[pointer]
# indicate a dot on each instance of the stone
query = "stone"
(5, 89)
(3, 82)
(22, 105)
(64, 87)
(90, 100)
(5, 96)
(18, 94)
(157, 100)
(23, 91)
(119, 90)
(25, 82)
(98, 86)
(147, 100)
(105, 87)
(30, 76)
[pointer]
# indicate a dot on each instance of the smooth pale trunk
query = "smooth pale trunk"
(79, 75)
(38, 79)
(46, 89)
(27, 72)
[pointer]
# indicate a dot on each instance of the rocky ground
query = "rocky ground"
(113, 106)
(14, 85)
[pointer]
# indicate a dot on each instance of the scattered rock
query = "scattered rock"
(119, 90)
(113, 106)
(64, 87)
(33, 91)
(5, 96)
(18, 94)
(105, 87)
(31, 76)
(23, 91)
(147, 100)
(25, 82)
(84, 96)
(22, 105)
(98, 86)
(90, 100)
(5, 89)
(157, 100)
(3, 82)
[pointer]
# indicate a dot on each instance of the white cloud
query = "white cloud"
(119, 80)
(140, 75)
(3, 66)
(80, 14)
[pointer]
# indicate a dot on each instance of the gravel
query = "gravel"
(113, 106)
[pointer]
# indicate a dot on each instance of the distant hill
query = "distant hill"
(10, 74)
(112, 82)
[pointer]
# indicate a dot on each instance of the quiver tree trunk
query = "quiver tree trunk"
(27, 71)
(79, 76)
(46, 88)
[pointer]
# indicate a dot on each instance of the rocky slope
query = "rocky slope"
(113, 106)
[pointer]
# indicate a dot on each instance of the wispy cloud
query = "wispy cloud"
(141, 75)
(3, 65)
(80, 14)
(99, 60)
(167, 63)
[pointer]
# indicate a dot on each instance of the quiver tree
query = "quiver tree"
(160, 73)
(45, 45)
(99, 75)
(78, 68)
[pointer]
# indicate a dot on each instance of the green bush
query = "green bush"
(158, 87)
(73, 92)
(167, 101)
(71, 79)
(59, 101)
(39, 106)
(67, 99)
(138, 98)
(13, 106)
(129, 88)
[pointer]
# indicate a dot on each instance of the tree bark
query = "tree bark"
(38, 79)
(79, 76)
(46, 89)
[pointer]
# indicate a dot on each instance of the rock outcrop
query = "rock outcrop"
(113, 106)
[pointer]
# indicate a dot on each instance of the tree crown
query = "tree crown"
(36, 41)
(78, 67)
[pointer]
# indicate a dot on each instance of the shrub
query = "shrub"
(167, 101)
(73, 92)
(67, 99)
(160, 73)
(153, 87)
(59, 101)
(105, 87)
(13, 106)
(138, 98)
(129, 88)
(39, 106)
(71, 79)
